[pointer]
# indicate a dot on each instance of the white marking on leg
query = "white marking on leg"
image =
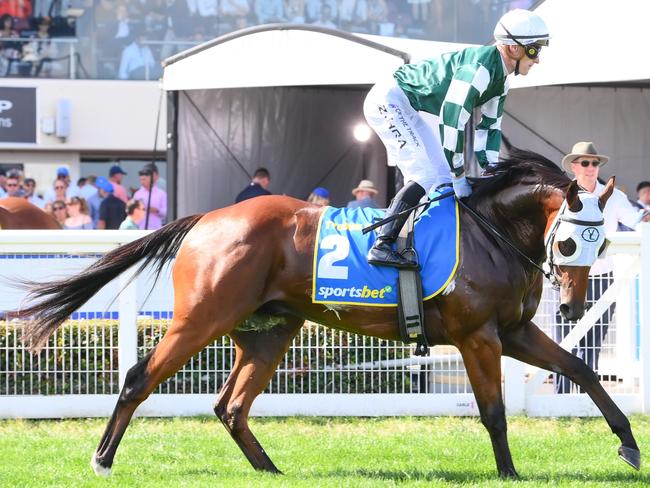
(99, 469)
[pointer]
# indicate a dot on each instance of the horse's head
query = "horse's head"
(575, 238)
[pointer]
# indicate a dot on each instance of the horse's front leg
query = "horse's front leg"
(482, 356)
(531, 345)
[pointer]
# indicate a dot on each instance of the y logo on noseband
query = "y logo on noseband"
(590, 234)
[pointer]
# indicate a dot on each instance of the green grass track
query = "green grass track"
(315, 452)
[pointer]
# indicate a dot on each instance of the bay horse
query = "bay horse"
(18, 213)
(255, 258)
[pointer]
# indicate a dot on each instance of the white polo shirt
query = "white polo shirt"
(617, 209)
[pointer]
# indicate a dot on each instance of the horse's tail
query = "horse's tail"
(61, 298)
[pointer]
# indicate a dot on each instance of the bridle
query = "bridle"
(548, 268)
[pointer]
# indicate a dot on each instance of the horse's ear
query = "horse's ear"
(607, 192)
(572, 199)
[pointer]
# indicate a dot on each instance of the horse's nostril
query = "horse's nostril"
(564, 309)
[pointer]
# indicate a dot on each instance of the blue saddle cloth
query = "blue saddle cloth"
(343, 276)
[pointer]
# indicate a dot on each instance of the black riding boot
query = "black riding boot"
(382, 253)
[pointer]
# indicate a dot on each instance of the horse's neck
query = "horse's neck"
(522, 212)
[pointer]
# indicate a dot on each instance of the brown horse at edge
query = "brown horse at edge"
(18, 213)
(255, 258)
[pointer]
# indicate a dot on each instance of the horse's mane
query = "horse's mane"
(519, 164)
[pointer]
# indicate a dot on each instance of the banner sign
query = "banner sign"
(18, 115)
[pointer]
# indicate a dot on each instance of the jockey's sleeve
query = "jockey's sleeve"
(467, 85)
(487, 136)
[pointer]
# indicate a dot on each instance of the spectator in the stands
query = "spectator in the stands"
(257, 187)
(39, 55)
(157, 204)
(204, 13)
(3, 183)
(86, 188)
(643, 195)
(313, 10)
(94, 202)
(112, 211)
(115, 176)
(269, 11)
(294, 11)
(137, 61)
(20, 10)
(364, 195)
(353, 14)
(135, 213)
(62, 181)
(319, 196)
(325, 19)
(179, 27)
(234, 12)
(13, 186)
(9, 51)
(78, 217)
(29, 185)
(58, 210)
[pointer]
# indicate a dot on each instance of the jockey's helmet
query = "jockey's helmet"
(521, 27)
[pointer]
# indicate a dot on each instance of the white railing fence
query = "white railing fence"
(326, 372)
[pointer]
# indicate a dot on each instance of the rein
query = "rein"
(489, 227)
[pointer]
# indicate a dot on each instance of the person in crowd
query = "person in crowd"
(179, 26)
(257, 187)
(234, 12)
(204, 13)
(154, 198)
(3, 183)
(58, 210)
(86, 189)
(39, 55)
(353, 13)
(584, 161)
(378, 16)
(269, 11)
(326, 18)
(62, 176)
(57, 192)
(364, 195)
(135, 213)
(115, 176)
(112, 210)
(78, 217)
(294, 11)
(29, 186)
(94, 202)
(313, 9)
(9, 51)
(18, 9)
(13, 186)
(448, 88)
(643, 196)
(137, 61)
(319, 196)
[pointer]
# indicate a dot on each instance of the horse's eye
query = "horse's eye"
(567, 248)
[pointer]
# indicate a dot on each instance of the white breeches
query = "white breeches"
(412, 144)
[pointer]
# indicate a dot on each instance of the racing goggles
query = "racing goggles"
(532, 50)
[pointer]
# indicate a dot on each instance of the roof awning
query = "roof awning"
(293, 55)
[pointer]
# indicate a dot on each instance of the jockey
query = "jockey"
(448, 87)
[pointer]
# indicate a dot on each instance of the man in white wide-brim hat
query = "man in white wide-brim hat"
(585, 162)
(364, 195)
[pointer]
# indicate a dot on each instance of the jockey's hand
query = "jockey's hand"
(462, 187)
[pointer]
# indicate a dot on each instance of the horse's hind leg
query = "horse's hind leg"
(257, 356)
(173, 351)
(531, 345)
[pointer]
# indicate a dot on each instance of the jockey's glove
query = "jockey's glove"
(462, 187)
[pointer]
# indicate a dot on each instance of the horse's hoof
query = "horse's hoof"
(509, 474)
(630, 456)
(98, 468)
